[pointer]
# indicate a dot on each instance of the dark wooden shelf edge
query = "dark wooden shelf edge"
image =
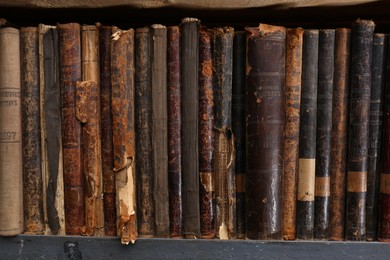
(77, 247)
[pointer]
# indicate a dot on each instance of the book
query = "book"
(88, 112)
(143, 128)
(174, 132)
(338, 168)
(70, 73)
(374, 167)
(108, 175)
(265, 109)
(307, 136)
(362, 36)
(324, 128)
(31, 134)
(11, 173)
(206, 134)
(238, 127)
(122, 107)
(225, 183)
(291, 141)
(189, 41)
(160, 129)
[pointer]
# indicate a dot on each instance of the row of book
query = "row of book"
(190, 132)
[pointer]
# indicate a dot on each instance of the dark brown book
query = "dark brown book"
(31, 137)
(70, 73)
(88, 112)
(359, 118)
(143, 128)
(238, 127)
(291, 141)
(324, 128)
(378, 81)
(174, 135)
(225, 182)
(50, 107)
(206, 134)
(160, 130)
(11, 174)
(108, 174)
(122, 107)
(338, 168)
(265, 110)
(384, 202)
(307, 136)
(189, 41)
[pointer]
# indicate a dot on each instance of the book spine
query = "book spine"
(291, 141)
(338, 168)
(11, 173)
(378, 81)
(70, 73)
(238, 127)
(122, 106)
(160, 130)
(384, 202)
(225, 188)
(265, 108)
(324, 128)
(91, 132)
(31, 137)
(108, 174)
(174, 136)
(362, 35)
(307, 136)
(143, 124)
(190, 159)
(52, 152)
(206, 134)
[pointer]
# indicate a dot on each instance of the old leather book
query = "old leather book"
(225, 183)
(291, 141)
(206, 134)
(378, 81)
(50, 116)
(265, 108)
(307, 136)
(108, 174)
(160, 129)
(122, 106)
(324, 128)
(70, 73)
(174, 135)
(31, 137)
(88, 108)
(238, 127)
(189, 41)
(384, 202)
(362, 35)
(143, 128)
(11, 173)
(338, 169)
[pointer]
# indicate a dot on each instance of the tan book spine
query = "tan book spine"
(11, 193)
(91, 131)
(122, 79)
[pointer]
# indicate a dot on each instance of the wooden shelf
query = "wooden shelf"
(77, 247)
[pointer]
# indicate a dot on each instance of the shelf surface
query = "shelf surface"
(77, 247)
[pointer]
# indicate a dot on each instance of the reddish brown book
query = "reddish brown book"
(338, 168)
(206, 134)
(122, 105)
(291, 141)
(11, 173)
(174, 135)
(70, 73)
